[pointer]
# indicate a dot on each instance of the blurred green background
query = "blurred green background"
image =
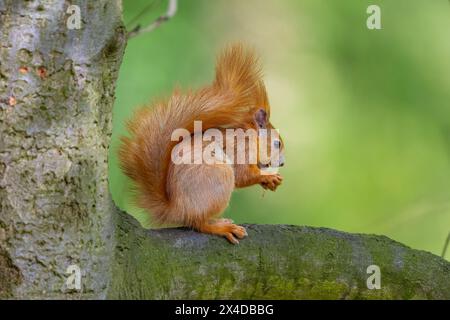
(365, 114)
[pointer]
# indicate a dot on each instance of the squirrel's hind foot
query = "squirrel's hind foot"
(225, 228)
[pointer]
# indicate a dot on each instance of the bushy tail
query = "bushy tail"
(238, 72)
(230, 102)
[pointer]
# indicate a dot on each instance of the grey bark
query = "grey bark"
(56, 97)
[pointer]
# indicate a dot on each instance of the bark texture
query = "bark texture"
(56, 98)
(274, 262)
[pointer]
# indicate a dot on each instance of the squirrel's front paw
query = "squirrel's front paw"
(271, 182)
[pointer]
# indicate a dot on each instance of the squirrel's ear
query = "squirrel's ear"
(261, 118)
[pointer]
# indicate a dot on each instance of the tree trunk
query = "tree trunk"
(56, 97)
(56, 93)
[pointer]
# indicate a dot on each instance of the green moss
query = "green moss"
(274, 262)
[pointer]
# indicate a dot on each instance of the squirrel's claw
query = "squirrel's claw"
(225, 228)
(235, 231)
(231, 238)
(271, 182)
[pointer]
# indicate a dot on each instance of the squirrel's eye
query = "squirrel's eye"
(277, 144)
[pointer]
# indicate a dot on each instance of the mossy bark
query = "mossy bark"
(274, 262)
(56, 97)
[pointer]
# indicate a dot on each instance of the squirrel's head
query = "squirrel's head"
(270, 144)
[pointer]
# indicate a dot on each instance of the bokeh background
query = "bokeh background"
(365, 114)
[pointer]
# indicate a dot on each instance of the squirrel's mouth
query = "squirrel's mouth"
(271, 164)
(270, 167)
(268, 170)
(264, 165)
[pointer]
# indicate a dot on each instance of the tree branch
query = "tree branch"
(274, 262)
(171, 11)
(444, 251)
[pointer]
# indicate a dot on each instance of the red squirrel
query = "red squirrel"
(195, 195)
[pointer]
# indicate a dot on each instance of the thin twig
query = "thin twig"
(446, 246)
(146, 9)
(171, 10)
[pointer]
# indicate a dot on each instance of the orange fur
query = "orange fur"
(192, 195)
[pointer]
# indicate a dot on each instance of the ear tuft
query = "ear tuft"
(261, 118)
